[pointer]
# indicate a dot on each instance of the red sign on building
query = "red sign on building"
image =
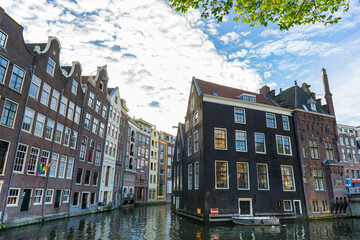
(214, 211)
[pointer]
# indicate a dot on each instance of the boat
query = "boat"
(256, 221)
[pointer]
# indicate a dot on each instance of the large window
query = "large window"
(314, 148)
(73, 139)
(44, 160)
(38, 196)
(33, 159)
(239, 115)
(190, 176)
(9, 113)
(91, 150)
(45, 94)
(13, 198)
(243, 176)
(221, 174)
(84, 141)
(62, 167)
(87, 121)
(91, 99)
(28, 119)
(77, 114)
(104, 111)
(20, 157)
(54, 100)
(95, 125)
(4, 148)
(329, 150)
(270, 120)
(189, 145)
(3, 39)
(67, 136)
(17, 78)
(283, 145)
(69, 168)
(196, 175)
(63, 105)
(220, 138)
(318, 179)
(196, 142)
(240, 141)
(102, 129)
(53, 167)
(98, 154)
(49, 196)
(39, 125)
(49, 129)
(263, 177)
(34, 86)
(74, 87)
(3, 68)
(285, 121)
(87, 177)
(98, 106)
(50, 67)
(79, 175)
(315, 205)
(71, 109)
(94, 178)
(260, 143)
(288, 178)
(196, 118)
(58, 133)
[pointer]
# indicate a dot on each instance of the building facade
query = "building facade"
(153, 170)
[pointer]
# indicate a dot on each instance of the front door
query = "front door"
(85, 197)
(297, 205)
(26, 200)
(245, 207)
(57, 199)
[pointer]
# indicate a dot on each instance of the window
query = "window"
(220, 138)
(288, 178)
(70, 112)
(287, 205)
(50, 67)
(53, 168)
(315, 206)
(62, 167)
(44, 159)
(347, 175)
(28, 119)
(67, 136)
(186, 126)
(347, 142)
(94, 179)
(87, 121)
(196, 118)
(263, 177)
(93, 198)
(190, 176)
(98, 154)
(245, 207)
(285, 121)
(17, 78)
(192, 103)
(239, 115)
(240, 141)
(34, 86)
(98, 106)
(4, 148)
(243, 176)
(189, 145)
(95, 125)
(270, 120)
(248, 98)
(63, 105)
(3, 39)
(104, 110)
(313, 106)
(91, 99)
(59, 132)
(329, 150)
(76, 199)
(45, 93)
(352, 173)
(283, 145)
(87, 177)
(34, 156)
(77, 114)
(13, 198)
(196, 143)
(9, 113)
(20, 157)
(39, 125)
(318, 179)
(304, 151)
(314, 148)
(38, 196)
(221, 174)
(66, 195)
(49, 196)
(343, 154)
(79, 175)
(54, 100)
(342, 141)
(74, 87)
(49, 129)
(352, 142)
(69, 168)
(325, 206)
(91, 151)
(73, 139)
(3, 68)
(83, 148)
(196, 175)
(260, 143)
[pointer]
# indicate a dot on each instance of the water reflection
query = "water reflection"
(157, 222)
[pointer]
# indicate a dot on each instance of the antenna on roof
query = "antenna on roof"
(295, 82)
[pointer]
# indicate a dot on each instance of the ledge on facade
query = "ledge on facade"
(332, 162)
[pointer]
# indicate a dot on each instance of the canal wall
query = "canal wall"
(354, 202)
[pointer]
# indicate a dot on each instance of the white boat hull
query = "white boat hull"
(256, 221)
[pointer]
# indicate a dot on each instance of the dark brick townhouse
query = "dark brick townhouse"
(316, 131)
(169, 158)
(87, 169)
(237, 154)
(15, 73)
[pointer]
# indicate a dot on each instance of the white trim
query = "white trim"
(235, 108)
(248, 105)
(251, 208)
(248, 176)
(16, 112)
(52, 196)
(7, 37)
(288, 123)
(264, 143)
(227, 174)
(196, 180)
(246, 148)
(266, 114)
(293, 178)
(17, 197)
(67, 195)
(41, 197)
(299, 201)
(226, 146)
(267, 177)
(283, 145)
(291, 206)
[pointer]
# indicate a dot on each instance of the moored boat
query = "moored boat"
(258, 221)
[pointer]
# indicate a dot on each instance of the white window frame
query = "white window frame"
(37, 85)
(248, 176)
(267, 177)
(190, 176)
(189, 150)
(17, 197)
(71, 110)
(54, 102)
(74, 87)
(288, 123)
(283, 145)
(251, 207)
(196, 118)
(196, 175)
(44, 99)
(238, 150)
(6, 38)
(273, 114)
(235, 115)
(68, 175)
(52, 66)
(64, 166)
(226, 145)
(196, 142)
(16, 111)
(293, 178)
(264, 142)
(68, 196)
(51, 196)
(227, 174)
(41, 196)
(32, 120)
(55, 164)
(63, 105)
(291, 206)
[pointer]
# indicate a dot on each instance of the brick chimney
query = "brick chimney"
(313, 95)
(328, 95)
(319, 101)
(264, 90)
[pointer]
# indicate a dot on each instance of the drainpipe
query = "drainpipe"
(52, 152)
(32, 70)
(76, 154)
(122, 159)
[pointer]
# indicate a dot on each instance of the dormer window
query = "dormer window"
(313, 106)
(3, 39)
(247, 97)
(101, 86)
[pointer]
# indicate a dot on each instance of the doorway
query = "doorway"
(26, 200)
(84, 201)
(57, 199)
(297, 206)
(245, 207)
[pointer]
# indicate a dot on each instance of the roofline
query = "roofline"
(197, 86)
(343, 125)
(321, 114)
(182, 138)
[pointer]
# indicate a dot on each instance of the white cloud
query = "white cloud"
(163, 50)
(267, 75)
(238, 54)
(230, 37)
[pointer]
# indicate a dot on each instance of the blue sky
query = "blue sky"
(152, 52)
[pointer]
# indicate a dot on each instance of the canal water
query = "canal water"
(158, 222)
